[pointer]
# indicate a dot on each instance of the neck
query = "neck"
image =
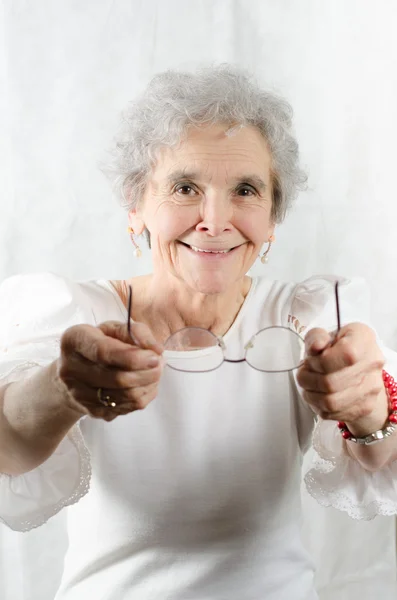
(169, 306)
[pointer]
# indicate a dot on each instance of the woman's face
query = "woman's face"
(208, 207)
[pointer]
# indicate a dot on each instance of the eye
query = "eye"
(184, 189)
(246, 190)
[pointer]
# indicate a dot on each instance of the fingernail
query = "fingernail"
(153, 361)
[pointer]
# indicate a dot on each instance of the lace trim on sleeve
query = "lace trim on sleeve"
(15, 373)
(336, 479)
(41, 516)
(21, 362)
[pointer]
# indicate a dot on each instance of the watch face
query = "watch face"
(380, 435)
(377, 436)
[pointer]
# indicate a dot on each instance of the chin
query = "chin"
(211, 285)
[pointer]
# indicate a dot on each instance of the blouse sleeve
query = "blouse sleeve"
(35, 310)
(335, 478)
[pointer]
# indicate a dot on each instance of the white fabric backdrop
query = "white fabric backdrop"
(67, 68)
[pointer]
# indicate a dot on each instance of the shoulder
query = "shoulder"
(37, 308)
(45, 297)
(48, 301)
(312, 302)
(41, 291)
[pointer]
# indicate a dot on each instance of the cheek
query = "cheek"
(254, 227)
(171, 222)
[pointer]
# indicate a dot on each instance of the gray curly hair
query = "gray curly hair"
(174, 101)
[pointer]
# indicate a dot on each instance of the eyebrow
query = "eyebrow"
(250, 179)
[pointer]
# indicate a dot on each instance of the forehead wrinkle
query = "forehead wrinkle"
(200, 166)
(213, 154)
(251, 163)
(187, 173)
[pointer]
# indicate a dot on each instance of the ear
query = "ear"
(136, 222)
(271, 229)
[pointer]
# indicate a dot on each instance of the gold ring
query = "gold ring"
(106, 400)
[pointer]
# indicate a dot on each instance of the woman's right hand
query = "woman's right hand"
(106, 357)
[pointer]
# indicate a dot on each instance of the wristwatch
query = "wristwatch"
(376, 436)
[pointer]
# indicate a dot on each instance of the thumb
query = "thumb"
(316, 341)
(115, 329)
(141, 335)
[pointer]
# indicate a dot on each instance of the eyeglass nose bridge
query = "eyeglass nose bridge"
(234, 360)
(251, 344)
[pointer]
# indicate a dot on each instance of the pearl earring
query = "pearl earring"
(264, 257)
(137, 251)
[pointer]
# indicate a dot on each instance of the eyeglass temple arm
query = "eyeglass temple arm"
(337, 304)
(129, 306)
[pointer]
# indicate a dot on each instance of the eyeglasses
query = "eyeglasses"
(275, 349)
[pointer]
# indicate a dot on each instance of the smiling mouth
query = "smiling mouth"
(206, 251)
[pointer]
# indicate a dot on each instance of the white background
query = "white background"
(67, 67)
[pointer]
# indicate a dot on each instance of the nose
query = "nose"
(216, 215)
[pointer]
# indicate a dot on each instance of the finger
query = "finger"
(92, 344)
(333, 407)
(85, 399)
(126, 401)
(141, 335)
(316, 340)
(342, 406)
(132, 399)
(330, 383)
(108, 355)
(354, 344)
(96, 375)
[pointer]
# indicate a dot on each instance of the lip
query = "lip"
(212, 253)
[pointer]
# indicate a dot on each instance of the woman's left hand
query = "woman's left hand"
(342, 378)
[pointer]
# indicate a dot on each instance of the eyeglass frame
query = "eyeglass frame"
(222, 345)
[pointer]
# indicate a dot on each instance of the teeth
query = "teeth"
(209, 251)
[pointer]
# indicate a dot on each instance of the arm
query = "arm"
(377, 455)
(342, 381)
(34, 418)
(358, 480)
(34, 311)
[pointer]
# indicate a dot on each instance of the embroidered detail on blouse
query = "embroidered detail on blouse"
(52, 345)
(26, 366)
(295, 322)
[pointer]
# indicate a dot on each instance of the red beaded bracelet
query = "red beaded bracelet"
(391, 388)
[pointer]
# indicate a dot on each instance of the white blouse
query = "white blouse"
(197, 496)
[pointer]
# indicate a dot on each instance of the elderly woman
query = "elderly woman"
(175, 432)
